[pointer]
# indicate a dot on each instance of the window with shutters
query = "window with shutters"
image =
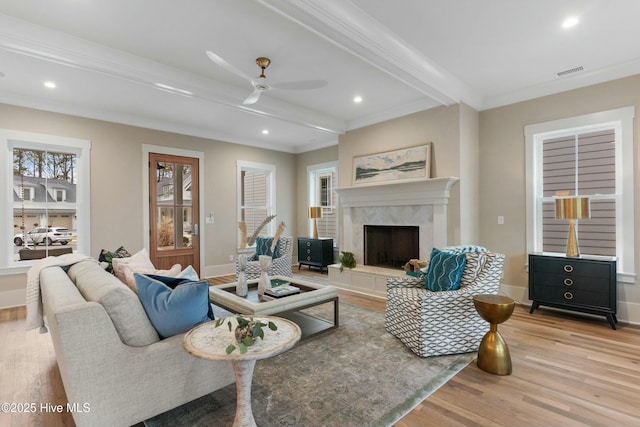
(590, 156)
(322, 180)
(256, 194)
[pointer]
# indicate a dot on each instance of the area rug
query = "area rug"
(356, 375)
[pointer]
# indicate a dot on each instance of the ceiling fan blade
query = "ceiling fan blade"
(253, 98)
(224, 64)
(301, 85)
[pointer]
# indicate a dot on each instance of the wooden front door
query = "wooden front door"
(174, 209)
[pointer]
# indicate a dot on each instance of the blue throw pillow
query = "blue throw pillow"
(173, 282)
(444, 271)
(173, 311)
(263, 247)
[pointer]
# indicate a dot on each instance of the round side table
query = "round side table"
(208, 342)
(493, 354)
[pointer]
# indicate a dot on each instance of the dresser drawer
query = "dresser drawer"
(569, 266)
(571, 296)
(570, 281)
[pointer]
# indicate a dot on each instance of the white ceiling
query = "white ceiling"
(401, 56)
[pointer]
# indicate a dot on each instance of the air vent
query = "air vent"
(571, 71)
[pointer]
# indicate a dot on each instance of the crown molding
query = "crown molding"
(350, 28)
(392, 113)
(563, 84)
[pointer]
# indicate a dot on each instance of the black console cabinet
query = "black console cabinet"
(585, 284)
(315, 252)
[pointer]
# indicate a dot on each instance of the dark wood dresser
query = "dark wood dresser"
(315, 252)
(586, 284)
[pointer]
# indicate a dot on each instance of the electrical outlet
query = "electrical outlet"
(500, 220)
(231, 257)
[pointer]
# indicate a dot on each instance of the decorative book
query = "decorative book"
(282, 291)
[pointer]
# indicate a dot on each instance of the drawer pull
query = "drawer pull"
(568, 268)
(568, 282)
(308, 258)
(568, 295)
(308, 251)
(308, 243)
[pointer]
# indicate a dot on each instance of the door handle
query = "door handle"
(195, 229)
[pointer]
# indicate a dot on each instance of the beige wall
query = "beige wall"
(441, 126)
(116, 181)
(502, 160)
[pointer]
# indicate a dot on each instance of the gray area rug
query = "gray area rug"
(356, 375)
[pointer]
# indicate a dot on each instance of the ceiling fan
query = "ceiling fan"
(260, 83)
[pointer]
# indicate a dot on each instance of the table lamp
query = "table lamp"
(572, 208)
(315, 212)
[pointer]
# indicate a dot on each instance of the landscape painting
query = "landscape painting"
(405, 164)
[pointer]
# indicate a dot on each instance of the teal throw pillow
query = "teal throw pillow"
(263, 247)
(444, 271)
(173, 311)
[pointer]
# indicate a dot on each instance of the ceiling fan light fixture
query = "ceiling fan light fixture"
(263, 63)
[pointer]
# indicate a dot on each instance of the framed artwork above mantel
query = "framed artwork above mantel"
(406, 164)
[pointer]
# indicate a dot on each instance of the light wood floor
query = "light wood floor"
(568, 370)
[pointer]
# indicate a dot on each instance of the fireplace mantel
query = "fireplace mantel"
(433, 191)
(393, 199)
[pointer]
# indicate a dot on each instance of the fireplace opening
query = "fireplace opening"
(390, 245)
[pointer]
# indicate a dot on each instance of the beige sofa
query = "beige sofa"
(114, 367)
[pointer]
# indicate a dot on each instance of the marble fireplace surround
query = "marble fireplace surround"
(416, 203)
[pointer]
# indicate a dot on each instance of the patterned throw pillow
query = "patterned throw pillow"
(263, 247)
(464, 249)
(444, 271)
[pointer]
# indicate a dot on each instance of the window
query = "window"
(256, 197)
(50, 179)
(322, 180)
(590, 155)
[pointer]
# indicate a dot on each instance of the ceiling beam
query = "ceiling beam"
(350, 28)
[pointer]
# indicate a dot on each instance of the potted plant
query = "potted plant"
(246, 333)
(346, 259)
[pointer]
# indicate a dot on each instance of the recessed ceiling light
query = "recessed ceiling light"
(571, 21)
(1, 74)
(265, 131)
(50, 85)
(357, 99)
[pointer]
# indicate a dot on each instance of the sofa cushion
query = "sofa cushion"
(174, 311)
(444, 271)
(121, 303)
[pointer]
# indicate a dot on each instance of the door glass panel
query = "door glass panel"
(186, 184)
(187, 228)
(166, 228)
(165, 184)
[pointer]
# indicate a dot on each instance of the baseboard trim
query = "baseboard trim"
(219, 270)
(13, 298)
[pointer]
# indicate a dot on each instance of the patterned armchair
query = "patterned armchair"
(280, 266)
(446, 322)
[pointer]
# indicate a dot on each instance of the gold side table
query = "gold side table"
(493, 354)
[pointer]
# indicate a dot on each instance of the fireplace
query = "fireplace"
(422, 203)
(390, 245)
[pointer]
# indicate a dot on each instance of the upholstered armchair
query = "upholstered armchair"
(444, 322)
(281, 265)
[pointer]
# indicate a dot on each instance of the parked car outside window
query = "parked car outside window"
(42, 235)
